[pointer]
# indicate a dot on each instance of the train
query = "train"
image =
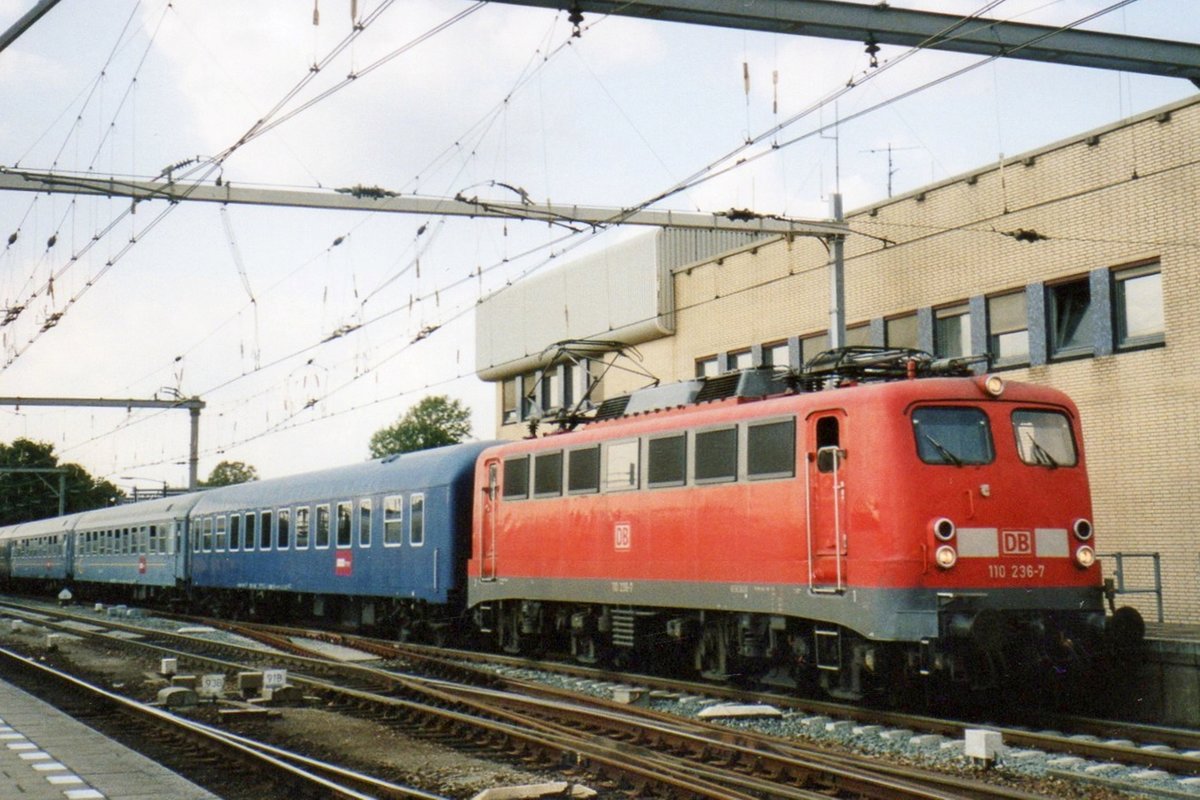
(876, 523)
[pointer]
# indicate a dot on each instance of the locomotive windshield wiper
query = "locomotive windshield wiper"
(1041, 454)
(943, 450)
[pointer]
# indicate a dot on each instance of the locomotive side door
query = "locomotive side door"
(487, 521)
(825, 495)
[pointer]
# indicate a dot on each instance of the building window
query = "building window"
(1008, 329)
(741, 359)
(707, 367)
(810, 346)
(529, 394)
(583, 470)
(716, 455)
(776, 355)
(952, 332)
(901, 332)
(860, 335)
(547, 474)
(1069, 310)
(393, 520)
(551, 390)
(1139, 306)
(621, 470)
(666, 461)
(508, 402)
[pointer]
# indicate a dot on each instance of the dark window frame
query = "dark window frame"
(697, 453)
(587, 469)
(758, 425)
(542, 463)
(679, 462)
(510, 487)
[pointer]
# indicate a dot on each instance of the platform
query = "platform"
(1166, 690)
(46, 755)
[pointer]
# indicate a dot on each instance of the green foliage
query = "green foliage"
(434, 422)
(228, 473)
(26, 496)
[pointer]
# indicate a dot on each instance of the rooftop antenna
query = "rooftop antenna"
(891, 170)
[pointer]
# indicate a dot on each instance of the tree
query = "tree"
(227, 473)
(434, 422)
(26, 496)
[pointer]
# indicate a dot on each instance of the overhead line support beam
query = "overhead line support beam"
(882, 24)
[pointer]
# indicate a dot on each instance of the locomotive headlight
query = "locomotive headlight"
(992, 385)
(1083, 529)
(945, 556)
(943, 529)
(1085, 557)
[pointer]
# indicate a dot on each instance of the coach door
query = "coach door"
(826, 498)
(487, 522)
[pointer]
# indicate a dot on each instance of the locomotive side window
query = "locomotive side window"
(393, 521)
(283, 539)
(264, 531)
(302, 528)
(364, 522)
(322, 526)
(516, 478)
(666, 461)
(1044, 438)
(716, 455)
(547, 474)
(416, 520)
(771, 450)
(583, 470)
(951, 435)
(621, 469)
(343, 524)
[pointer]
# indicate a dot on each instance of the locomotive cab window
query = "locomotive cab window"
(547, 474)
(583, 470)
(1044, 438)
(953, 435)
(716, 455)
(516, 478)
(666, 461)
(771, 450)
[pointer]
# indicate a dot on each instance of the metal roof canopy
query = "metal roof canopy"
(881, 24)
(375, 199)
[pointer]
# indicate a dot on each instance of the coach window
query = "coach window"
(322, 537)
(1139, 306)
(516, 478)
(621, 466)
(416, 522)
(235, 532)
(364, 522)
(716, 455)
(152, 540)
(393, 521)
(547, 474)
(248, 531)
(264, 530)
(222, 533)
(302, 527)
(666, 461)
(283, 537)
(583, 470)
(343, 524)
(1008, 329)
(771, 450)
(208, 534)
(952, 435)
(1069, 311)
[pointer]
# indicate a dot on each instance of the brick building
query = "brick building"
(1075, 265)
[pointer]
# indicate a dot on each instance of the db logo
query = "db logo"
(1016, 543)
(622, 536)
(343, 563)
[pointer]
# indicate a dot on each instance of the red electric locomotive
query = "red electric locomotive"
(883, 533)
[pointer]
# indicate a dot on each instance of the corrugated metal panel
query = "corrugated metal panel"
(624, 293)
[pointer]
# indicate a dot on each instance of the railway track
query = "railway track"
(631, 750)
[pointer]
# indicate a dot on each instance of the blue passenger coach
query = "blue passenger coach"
(40, 551)
(140, 545)
(385, 541)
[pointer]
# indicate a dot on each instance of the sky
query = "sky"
(305, 331)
